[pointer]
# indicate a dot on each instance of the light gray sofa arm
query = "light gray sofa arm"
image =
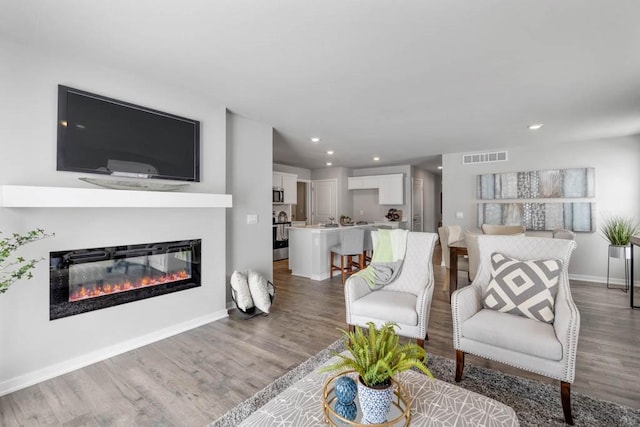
(354, 288)
(465, 303)
(567, 328)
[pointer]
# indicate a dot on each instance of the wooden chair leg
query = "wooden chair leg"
(565, 395)
(420, 342)
(342, 268)
(331, 266)
(352, 328)
(459, 365)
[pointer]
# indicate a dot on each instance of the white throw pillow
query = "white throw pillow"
(240, 285)
(259, 291)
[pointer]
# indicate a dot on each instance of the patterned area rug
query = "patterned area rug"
(535, 403)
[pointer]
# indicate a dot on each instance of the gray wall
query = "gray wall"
(31, 346)
(616, 162)
(249, 246)
(303, 174)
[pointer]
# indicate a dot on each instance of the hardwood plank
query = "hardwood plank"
(192, 378)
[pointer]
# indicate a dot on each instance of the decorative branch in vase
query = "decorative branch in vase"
(12, 270)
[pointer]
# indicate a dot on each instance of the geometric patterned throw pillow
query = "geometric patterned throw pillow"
(524, 288)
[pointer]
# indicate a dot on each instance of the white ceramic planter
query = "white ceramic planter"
(375, 403)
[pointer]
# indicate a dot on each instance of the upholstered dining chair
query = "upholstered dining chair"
(510, 313)
(406, 300)
(564, 234)
(351, 245)
(502, 229)
(471, 240)
(450, 234)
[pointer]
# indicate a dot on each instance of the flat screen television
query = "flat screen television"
(105, 136)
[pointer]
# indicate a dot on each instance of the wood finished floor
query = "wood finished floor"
(194, 377)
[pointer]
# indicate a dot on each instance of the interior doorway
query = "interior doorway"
(324, 203)
(300, 213)
(417, 211)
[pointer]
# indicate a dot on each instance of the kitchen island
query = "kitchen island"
(309, 249)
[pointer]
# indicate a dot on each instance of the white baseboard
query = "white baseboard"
(596, 280)
(35, 377)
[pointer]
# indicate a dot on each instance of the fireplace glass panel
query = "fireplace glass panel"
(99, 278)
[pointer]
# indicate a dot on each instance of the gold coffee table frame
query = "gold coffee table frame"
(400, 402)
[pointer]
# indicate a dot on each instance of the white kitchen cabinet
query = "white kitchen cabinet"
(289, 182)
(391, 189)
(363, 182)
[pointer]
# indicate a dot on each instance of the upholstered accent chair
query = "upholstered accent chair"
(544, 348)
(406, 300)
(502, 229)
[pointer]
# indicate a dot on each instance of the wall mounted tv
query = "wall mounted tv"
(101, 135)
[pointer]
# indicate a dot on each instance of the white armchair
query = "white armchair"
(547, 349)
(406, 300)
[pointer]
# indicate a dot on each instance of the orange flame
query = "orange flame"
(96, 290)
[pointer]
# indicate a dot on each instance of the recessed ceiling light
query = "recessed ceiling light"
(535, 126)
(315, 139)
(329, 163)
(330, 152)
(376, 159)
(439, 167)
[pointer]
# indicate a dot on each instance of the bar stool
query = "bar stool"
(351, 244)
(367, 250)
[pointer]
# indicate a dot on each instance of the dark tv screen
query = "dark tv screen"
(101, 135)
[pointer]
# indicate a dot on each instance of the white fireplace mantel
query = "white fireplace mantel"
(24, 196)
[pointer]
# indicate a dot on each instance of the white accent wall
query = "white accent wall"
(33, 348)
(617, 168)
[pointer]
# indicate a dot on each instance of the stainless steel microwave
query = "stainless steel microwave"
(278, 195)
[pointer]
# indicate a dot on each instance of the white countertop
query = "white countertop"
(340, 227)
(323, 228)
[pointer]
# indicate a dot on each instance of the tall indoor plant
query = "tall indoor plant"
(13, 269)
(377, 357)
(618, 231)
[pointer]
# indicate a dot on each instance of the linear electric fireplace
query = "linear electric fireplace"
(91, 279)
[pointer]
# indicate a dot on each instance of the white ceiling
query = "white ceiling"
(403, 80)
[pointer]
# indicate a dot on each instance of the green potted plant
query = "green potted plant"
(618, 231)
(12, 270)
(377, 357)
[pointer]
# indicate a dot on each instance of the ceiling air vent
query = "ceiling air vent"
(496, 156)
